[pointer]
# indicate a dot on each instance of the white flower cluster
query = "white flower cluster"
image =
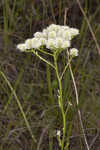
(53, 37)
(73, 52)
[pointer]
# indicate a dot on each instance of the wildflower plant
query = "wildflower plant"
(56, 38)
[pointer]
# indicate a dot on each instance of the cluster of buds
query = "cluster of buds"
(53, 37)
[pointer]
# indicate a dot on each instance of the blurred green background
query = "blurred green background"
(35, 83)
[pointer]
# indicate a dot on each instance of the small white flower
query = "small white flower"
(52, 34)
(73, 52)
(21, 47)
(38, 35)
(53, 27)
(67, 35)
(28, 44)
(58, 133)
(50, 44)
(66, 44)
(43, 41)
(74, 32)
(45, 33)
(36, 43)
(59, 42)
(60, 33)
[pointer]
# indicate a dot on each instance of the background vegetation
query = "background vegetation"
(35, 83)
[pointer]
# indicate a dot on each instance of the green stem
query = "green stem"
(36, 53)
(42, 51)
(58, 77)
(60, 102)
(64, 131)
(65, 68)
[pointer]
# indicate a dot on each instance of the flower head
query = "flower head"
(60, 32)
(58, 42)
(52, 35)
(53, 27)
(66, 44)
(73, 52)
(74, 32)
(36, 43)
(21, 47)
(45, 33)
(67, 35)
(28, 44)
(51, 44)
(43, 41)
(38, 35)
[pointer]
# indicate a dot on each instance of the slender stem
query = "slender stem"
(64, 131)
(60, 99)
(59, 81)
(65, 69)
(36, 53)
(45, 52)
(19, 104)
